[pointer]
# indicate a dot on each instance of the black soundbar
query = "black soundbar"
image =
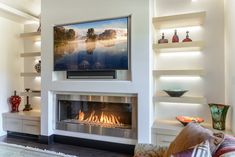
(91, 74)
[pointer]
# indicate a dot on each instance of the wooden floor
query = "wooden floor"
(57, 147)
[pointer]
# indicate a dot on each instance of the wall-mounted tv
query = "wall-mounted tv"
(101, 45)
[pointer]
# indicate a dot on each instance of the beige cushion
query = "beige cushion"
(149, 150)
(192, 135)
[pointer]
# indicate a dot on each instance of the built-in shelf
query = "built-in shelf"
(174, 127)
(31, 94)
(30, 74)
(31, 35)
(182, 46)
(183, 99)
(192, 72)
(30, 54)
(27, 115)
(181, 20)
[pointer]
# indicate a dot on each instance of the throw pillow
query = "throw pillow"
(227, 148)
(201, 150)
(192, 135)
(149, 150)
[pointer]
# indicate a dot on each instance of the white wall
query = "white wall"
(230, 49)
(59, 12)
(10, 63)
(212, 58)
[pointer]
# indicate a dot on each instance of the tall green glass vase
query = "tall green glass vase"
(218, 114)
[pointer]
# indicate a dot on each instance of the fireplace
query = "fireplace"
(98, 114)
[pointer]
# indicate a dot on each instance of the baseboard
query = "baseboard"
(109, 146)
(46, 139)
(102, 145)
(22, 136)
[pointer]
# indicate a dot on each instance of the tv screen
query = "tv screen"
(101, 45)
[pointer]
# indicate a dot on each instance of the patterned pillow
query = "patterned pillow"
(149, 150)
(227, 148)
(201, 150)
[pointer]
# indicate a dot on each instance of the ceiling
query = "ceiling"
(32, 7)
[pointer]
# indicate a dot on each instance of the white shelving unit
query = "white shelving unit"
(181, 20)
(163, 130)
(30, 74)
(191, 72)
(183, 99)
(174, 127)
(25, 121)
(22, 122)
(176, 47)
(30, 54)
(36, 36)
(31, 94)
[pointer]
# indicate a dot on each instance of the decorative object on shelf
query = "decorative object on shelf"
(175, 93)
(27, 105)
(37, 67)
(39, 27)
(218, 114)
(15, 102)
(36, 91)
(162, 40)
(185, 119)
(175, 38)
(187, 39)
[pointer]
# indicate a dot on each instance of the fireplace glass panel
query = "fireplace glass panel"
(104, 114)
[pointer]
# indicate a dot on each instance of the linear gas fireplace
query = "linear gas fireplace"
(98, 114)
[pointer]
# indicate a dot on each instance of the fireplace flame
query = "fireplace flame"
(104, 119)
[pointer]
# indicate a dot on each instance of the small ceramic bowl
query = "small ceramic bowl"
(175, 93)
(185, 119)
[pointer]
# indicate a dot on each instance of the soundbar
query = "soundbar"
(91, 74)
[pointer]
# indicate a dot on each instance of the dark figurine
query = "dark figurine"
(162, 40)
(187, 39)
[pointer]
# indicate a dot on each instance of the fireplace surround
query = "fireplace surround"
(101, 114)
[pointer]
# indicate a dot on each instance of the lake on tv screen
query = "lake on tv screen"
(80, 47)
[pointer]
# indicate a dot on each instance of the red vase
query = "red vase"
(175, 38)
(15, 102)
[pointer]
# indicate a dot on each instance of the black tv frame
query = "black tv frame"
(100, 71)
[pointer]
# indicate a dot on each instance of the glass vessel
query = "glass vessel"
(218, 114)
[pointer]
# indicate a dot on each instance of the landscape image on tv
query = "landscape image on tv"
(97, 45)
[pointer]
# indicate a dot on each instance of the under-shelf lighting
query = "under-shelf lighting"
(194, 0)
(38, 78)
(181, 29)
(37, 42)
(181, 54)
(180, 78)
(180, 104)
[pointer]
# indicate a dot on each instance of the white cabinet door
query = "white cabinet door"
(14, 125)
(163, 140)
(31, 127)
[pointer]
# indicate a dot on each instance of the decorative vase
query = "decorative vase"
(175, 38)
(37, 67)
(15, 102)
(162, 40)
(218, 114)
(27, 105)
(187, 39)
